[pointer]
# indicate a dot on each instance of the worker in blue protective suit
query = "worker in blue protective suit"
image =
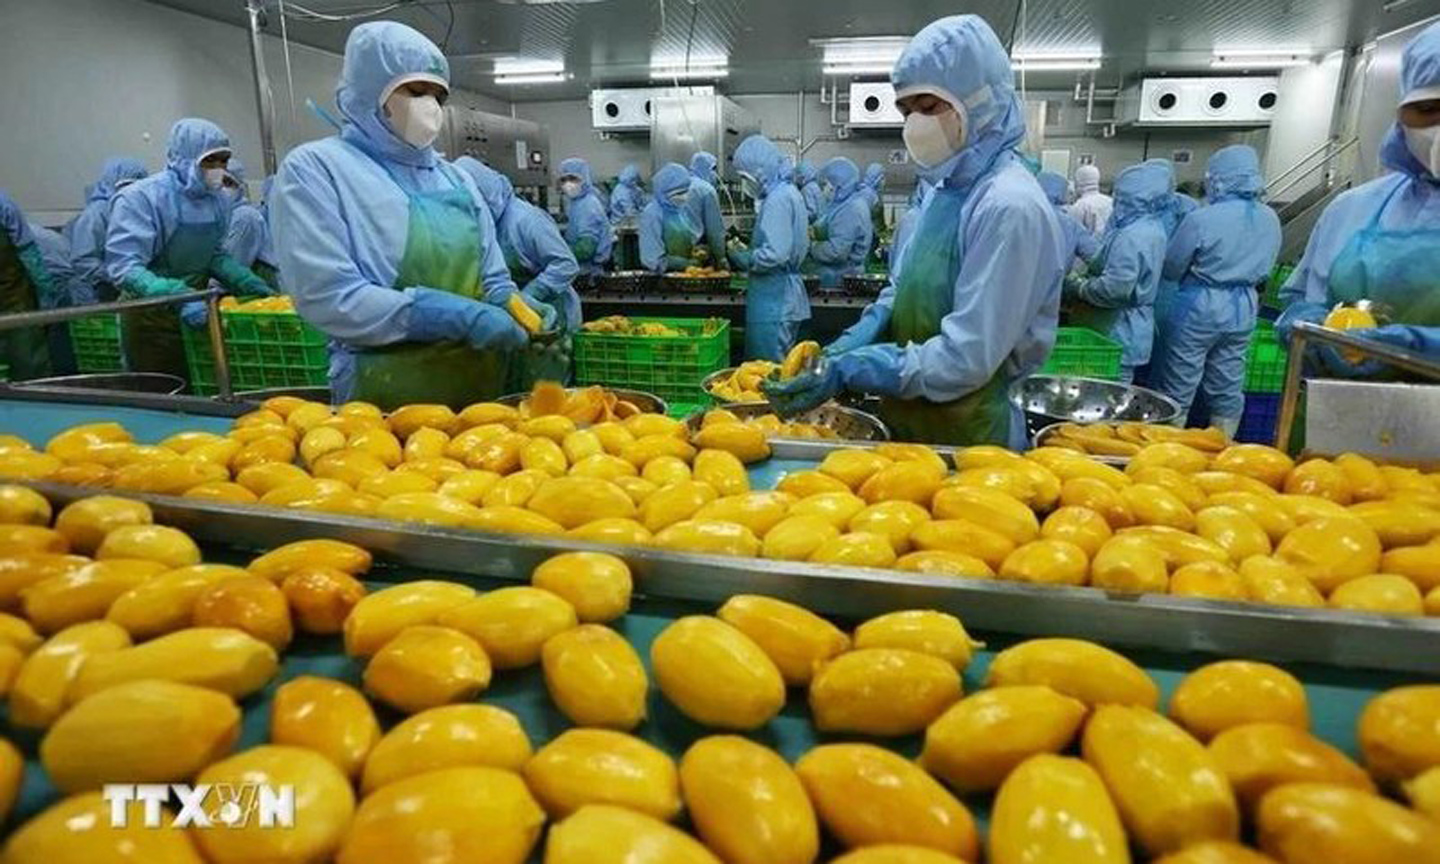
(871, 188)
(1081, 243)
(387, 248)
(55, 251)
(844, 233)
(86, 233)
(807, 180)
(1217, 256)
(1118, 297)
(668, 234)
(248, 239)
(775, 301)
(1092, 208)
(166, 236)
(628, 198)
(1381, 241)
(588, 228)
(974, 302)
(541, 264)
(234, 189)
(1172, 214)
(704, 205)
(26, 285)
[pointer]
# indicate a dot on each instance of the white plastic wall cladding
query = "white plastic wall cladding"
(628, 109)
(872, 106)
(1235, 101)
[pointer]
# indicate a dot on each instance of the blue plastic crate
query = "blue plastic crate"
(1257, 424)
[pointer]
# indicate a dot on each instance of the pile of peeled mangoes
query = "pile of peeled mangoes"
(1244, 524)
(131, 659)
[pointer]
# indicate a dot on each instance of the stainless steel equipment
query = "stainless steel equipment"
(1193, 102)
(872, 106)
(1153, 621)
(1047, 399)
(519, 149)
(848, 423)
(630, 109)
(123, 382)
(682, 125)
(648, 403)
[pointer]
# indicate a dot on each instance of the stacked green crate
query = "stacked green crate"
(97, 343)
(1083, 353)
(1278, 277)
(671, 367)
(1265, 364)
(265, 349)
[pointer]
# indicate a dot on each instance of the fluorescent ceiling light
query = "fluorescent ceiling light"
(871, 55)
(542, 78)
(660, 73)
(1260, 58)
(527, 66)
(860, 69)
(1077, 61)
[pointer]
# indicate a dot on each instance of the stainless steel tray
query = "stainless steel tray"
(850, 424)
(1048, 399)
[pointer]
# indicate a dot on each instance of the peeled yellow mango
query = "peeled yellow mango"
(219, 658)
(867, 795)
(744, 441)
(450, 736)
(708, 537)
(469, 486)
(1399, 522)
(1130, 564)
(426, 666)
(152, 542)
(85, 594)
(853, 467)
(990, 508)
(70, 444)
(882, 691)
(1306, 822)
(1209, 580)
(747, 803)
(1052, 808)
(647, 447)
(1232, 693)
(716, 675)
(1329, 552)
(796, 639)
(1089, 672)
(664, 470)
(803, 484)
(1424, 793)
(261, 479)
(511, 624)
(553, 426)
(397, 483)
(513, 520)
(20, 572)
(21, 505)
(961, 535)
(1019, 480)
(1216, 852)
(327, 716)
(445, 817)
(602, 834)
(166, 603)
(940, 563)
(856, 549)
(247, 603)
(723, 471)
(429, 508)
(1379, 594)
(1232, 530)
(595, 678)
(323, 806)
(758, 511)
(1078, 525)
(573, 501)
(78, 830)
(613, 532)
(910, 480)
(796, 538)
(405, 421)
(1304, 508)
(1047, 562)
(1419, 564)
(1270, 580)
(925, 631)
(38, 695)
(10, 662)
(894, 520)
(837, 508)
(896, 853)
(674, 503)
(1320, 478)
(596, 584)
(1366, 481)
(18, 632)
(975, 744)
(148, 731)
(1170, 791)
(1258, 757)
(379, 616)
(321, 599)
(19, 539)
(25, 465)
(601, 766)
(12, 773)
(1180, 548)
(1094, 494)
(1266, 464)
(1399, 732)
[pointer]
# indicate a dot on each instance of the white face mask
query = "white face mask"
(416, 119)
(215, 178)
(1425, 145)
(933, 138)
(679, 198)
(571, 188)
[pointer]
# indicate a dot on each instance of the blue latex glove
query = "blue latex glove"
(142, 283)
(549, 315)
(805, 392)
(1300, 311)
(195, 315)
(871, 325)
(740, 257)
(871, 369)
(1421, 340)
(437, 316)
(1070, 288)
(1334, 361)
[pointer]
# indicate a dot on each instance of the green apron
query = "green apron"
(24, 350)
(924, 295)
(442, 251)
(151, 337)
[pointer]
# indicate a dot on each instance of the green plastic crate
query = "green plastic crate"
(1278, 277)
(1265, 364)
(96, 339)
(265, 349)
(1083, 353)
(671, 367)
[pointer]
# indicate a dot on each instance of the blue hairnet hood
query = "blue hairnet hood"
(670, 179)
(190, 140)
(494, 187)
(844, 175)
(1055, 186)
(702, 165)
(1142, 190)
(116, 170)
(1234, 172)
(1419, 71)
(961, 60)
(630, 176)
(379, 56)
(875, 176)
(575, 166)
(804, 173)
(759, 157)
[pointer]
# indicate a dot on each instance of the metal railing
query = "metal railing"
(1304, 333)
(1288, 179)
(211, 296)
